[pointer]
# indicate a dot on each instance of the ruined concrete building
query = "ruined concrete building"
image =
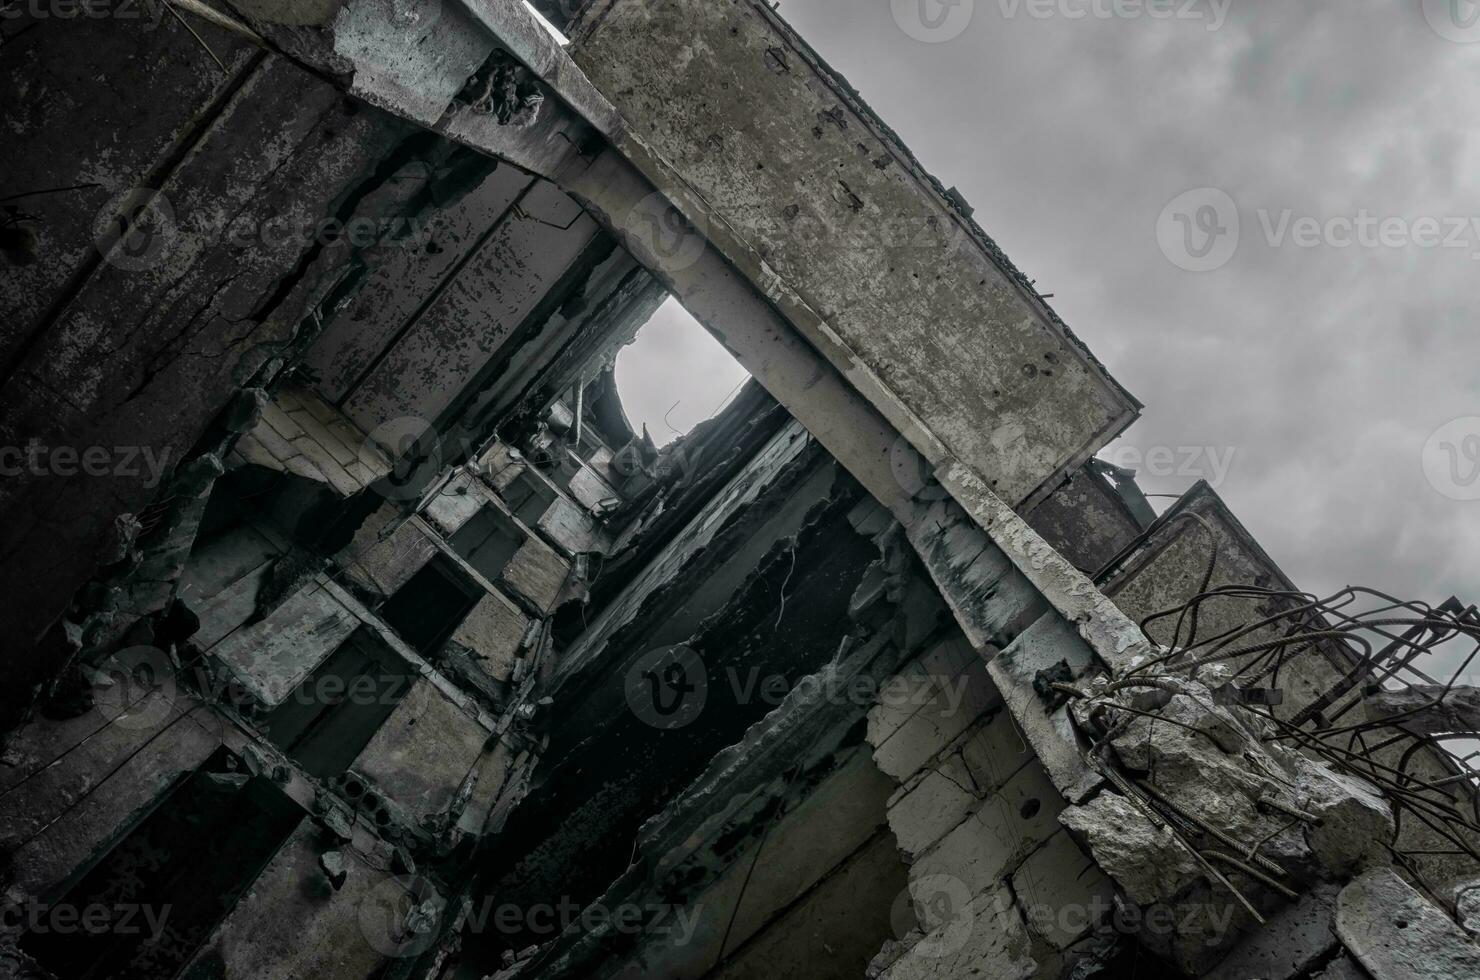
(353, 632)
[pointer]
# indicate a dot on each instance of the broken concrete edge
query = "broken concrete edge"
(790, 447)
(515, 28)
(1201, 497)
(1110, 633)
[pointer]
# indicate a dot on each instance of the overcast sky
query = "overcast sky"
(1309, 375)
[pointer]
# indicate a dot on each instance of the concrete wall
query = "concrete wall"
(997, 886)
(815, 897)
(823, 207)
(1169, 567)
(135, 343)
(1085, 521)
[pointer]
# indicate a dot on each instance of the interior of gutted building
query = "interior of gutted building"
(421, 659)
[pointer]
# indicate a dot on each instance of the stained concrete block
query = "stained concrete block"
(959, 692)
(846, 916)
(493, 777)
(937, 802)
(500, 465)
(976, 764)
(1085, 520)
(995, 750)
(402, 278)
(229, 609)
(293, 924)
(455, 504)
(1295, 937)
(1396, 933)
(571, 528)
(451, 341)
(916, 300)
(1341, 968)
(589, 488)
(275, 655)
(492, 633)
(1061, 891)
(423, 751)
(536, 573)
(386, 565)
(985, 939)
(808, 844)
(997, 837)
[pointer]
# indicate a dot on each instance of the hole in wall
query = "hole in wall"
(675, 375)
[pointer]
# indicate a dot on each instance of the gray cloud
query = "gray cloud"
(1324, 369)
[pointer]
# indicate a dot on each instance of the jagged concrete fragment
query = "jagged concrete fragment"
(1428, 708)
(1124, 841)
(1296, 937)
(1233, 793)
(1397, 934)
(985, 938)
